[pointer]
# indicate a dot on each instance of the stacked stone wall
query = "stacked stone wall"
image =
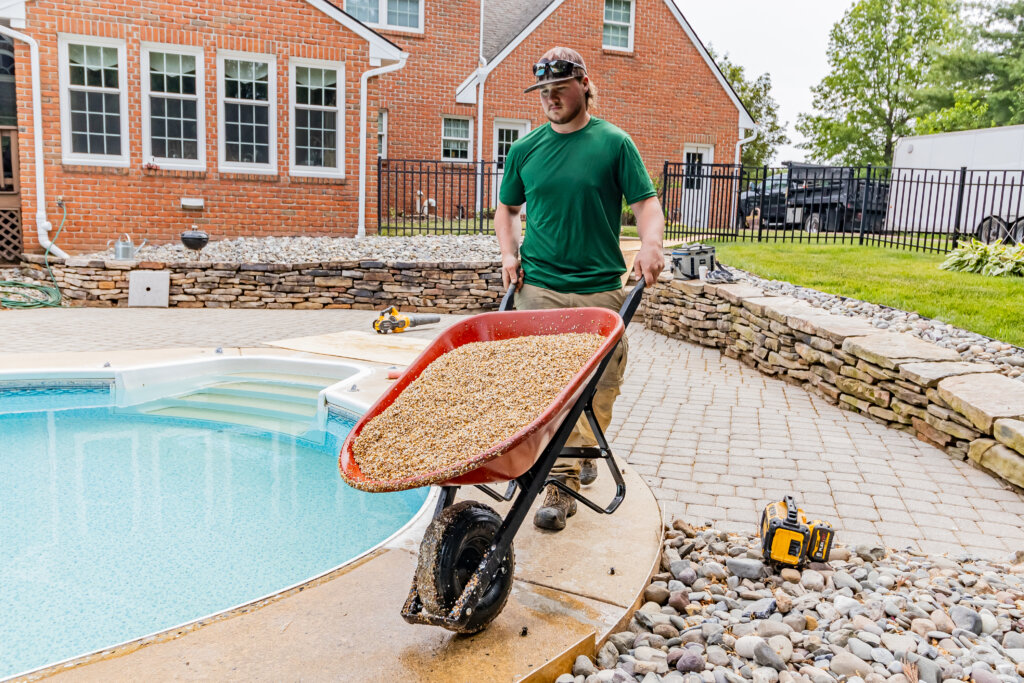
(425, 287)
(967, 409)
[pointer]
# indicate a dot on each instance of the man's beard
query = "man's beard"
(565, 115)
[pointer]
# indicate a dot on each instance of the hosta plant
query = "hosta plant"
(988, 259)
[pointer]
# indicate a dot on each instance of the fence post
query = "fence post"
(760, 202)
(865, 202)
(959, 205)
(380, 184)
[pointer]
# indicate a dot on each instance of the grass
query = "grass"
(912, 281)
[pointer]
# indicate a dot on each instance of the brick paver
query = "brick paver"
(714, 439)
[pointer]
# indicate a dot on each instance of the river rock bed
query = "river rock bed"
(970, 345)
(434, 248)
(716, 614)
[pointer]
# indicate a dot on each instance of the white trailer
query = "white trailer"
(970, 182)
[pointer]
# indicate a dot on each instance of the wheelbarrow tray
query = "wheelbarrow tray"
(512, 457)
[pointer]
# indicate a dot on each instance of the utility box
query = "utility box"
(149, 288)
(686, 261)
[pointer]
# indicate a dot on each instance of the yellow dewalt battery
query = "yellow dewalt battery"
(785, 536)
(821, 541)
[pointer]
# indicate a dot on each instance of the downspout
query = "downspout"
(736, 188)
(42, 224)
(364, 79)
(482, 70)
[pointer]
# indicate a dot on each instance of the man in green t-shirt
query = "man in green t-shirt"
(572, 174)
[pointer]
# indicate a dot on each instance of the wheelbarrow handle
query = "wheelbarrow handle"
(632, 302)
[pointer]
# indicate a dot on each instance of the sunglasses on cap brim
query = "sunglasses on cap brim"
(556, 68)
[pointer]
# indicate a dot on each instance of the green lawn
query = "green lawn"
(912, 281)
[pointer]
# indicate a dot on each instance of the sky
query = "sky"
(788, 40)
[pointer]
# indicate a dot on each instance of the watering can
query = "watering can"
(124, 250)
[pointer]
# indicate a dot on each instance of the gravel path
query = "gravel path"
(311, 249)
(717, 614)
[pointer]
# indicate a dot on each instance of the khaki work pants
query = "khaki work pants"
(608, 387)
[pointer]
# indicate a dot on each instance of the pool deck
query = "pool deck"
(714, 439)
(571, 589)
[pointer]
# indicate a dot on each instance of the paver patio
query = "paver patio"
(714, 439)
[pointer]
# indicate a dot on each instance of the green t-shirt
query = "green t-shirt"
(573, 185)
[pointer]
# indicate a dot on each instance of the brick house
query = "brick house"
(245, 117)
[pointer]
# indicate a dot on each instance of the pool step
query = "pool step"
(284, 426)
(280, 378)
(294, 393)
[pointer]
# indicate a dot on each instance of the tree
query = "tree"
(980, 82)
(879, 53)
(756, 95)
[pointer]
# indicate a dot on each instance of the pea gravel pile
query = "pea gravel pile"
(469, 400)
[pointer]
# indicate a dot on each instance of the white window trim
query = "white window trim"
(147, 137)
(632, 24)
(382, 140)
(382, 12)
(64, 83)
(224, 166)
(317, 171)
(469, 157)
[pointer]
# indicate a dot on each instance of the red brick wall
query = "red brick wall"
(662, 93)
(104, 202)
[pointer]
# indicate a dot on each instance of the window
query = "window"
(618, 25)
(456, 139)
(317, 117)
(93, 101)
(382, 133)
(402, 15)
(694, 169)
(246, 97)
(172, 107)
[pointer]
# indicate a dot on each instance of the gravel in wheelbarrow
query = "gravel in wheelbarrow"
(467, 412)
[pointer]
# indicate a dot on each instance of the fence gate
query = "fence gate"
(10, 196)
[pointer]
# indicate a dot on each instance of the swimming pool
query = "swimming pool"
(118, 522)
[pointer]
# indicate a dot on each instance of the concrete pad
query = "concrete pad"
(889, 350)
(350, 629)
(983, 398)
(397, 349)
(930, 374)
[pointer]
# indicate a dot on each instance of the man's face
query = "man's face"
(562, 102)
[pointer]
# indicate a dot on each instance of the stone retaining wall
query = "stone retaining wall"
(444, 287)
(967, 409)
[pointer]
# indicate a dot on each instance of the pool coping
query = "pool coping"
(372, 379)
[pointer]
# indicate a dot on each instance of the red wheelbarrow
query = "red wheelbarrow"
(466, 560)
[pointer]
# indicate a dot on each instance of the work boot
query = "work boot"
(557, 507)
(588, 471)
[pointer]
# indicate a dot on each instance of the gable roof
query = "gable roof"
(380, 47)
(506, 19)
(508, 22)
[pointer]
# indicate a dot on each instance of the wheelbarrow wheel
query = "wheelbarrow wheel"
(452, 549)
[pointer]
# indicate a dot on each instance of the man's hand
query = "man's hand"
(649, 263)
(650, 225)
(511, 271)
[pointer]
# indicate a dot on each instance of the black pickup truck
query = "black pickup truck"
(815, 198)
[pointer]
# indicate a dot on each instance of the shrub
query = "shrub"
(994, 259)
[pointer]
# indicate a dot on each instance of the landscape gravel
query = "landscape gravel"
(436, 248)
(468, 401)
(970, 345)
(939, 619)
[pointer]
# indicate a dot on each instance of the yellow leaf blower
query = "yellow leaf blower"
(390, 320)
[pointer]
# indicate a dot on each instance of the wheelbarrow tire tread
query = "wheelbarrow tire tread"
(456, 539)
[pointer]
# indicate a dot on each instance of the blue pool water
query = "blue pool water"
(114, 525)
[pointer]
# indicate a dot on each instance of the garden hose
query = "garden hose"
(15, 294)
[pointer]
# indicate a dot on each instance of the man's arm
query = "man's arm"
(509, 230)
(650, 225)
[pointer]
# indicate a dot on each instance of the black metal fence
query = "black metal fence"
(921, 209)
(436, 197)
